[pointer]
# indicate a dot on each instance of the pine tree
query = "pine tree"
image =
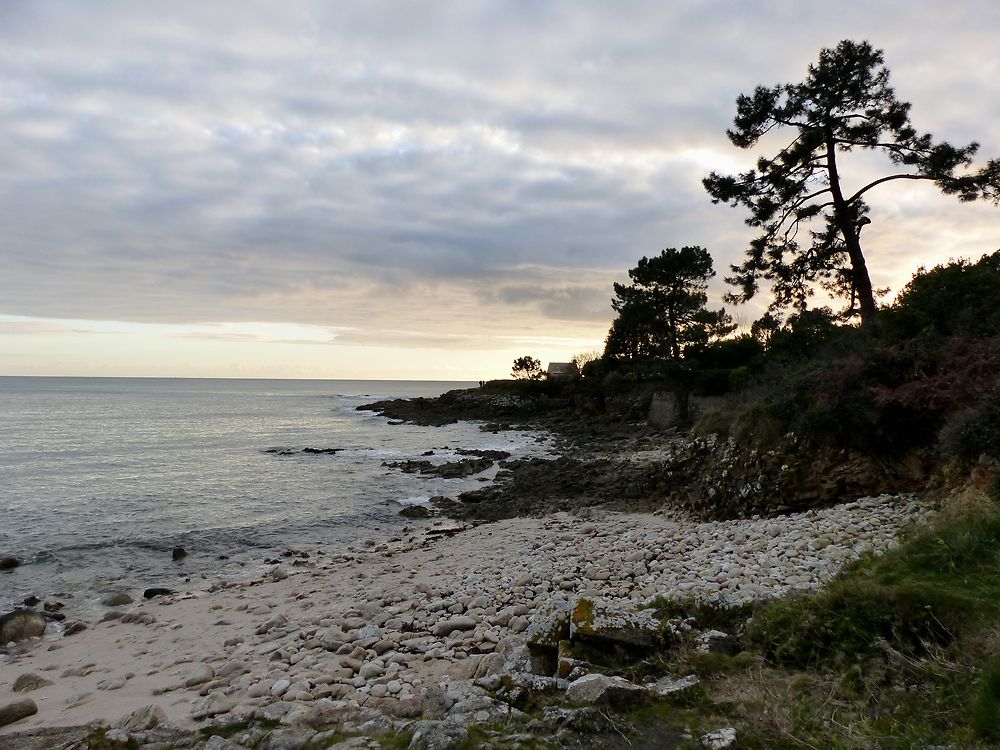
(845, 103)
(663, 310)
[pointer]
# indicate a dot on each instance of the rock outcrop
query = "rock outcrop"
(20, 625)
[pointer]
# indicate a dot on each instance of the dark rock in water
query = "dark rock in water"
(116, 599)
(286, 451)
(56, 616)
(179, 553)
(477, 496)
(31, 600)
(490, 454)
(21, 624)
(16, 711)
(9, 563)
(452, 470)
(415, 511)
(30, 681)
(53, 606)
(156, 591)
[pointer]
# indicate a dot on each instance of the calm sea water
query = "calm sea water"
(101, 477)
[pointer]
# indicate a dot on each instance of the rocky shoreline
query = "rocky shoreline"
(541, 613)
(428, 636)
(614, 453)
(597, 462)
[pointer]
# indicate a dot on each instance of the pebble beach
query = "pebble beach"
(379, 629)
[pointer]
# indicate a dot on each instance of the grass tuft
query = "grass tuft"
(985, 708)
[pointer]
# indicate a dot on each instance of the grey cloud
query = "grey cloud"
(565, 303)
(352, 164)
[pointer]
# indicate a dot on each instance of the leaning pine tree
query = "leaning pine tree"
(845, 103)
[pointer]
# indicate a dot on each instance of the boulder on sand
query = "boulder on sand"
(29, 681)
(21, 624)
(16, 711)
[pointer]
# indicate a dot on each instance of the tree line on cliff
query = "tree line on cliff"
(922, 370)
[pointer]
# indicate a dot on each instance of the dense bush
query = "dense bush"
(960, 298)
(936, 359)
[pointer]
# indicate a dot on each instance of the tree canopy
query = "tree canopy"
(844, 103)
(663, 311)
(527, 368)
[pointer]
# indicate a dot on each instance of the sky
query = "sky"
(414, 190)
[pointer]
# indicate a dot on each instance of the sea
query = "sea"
(101, 478)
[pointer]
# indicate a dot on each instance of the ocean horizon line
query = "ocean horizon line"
(223, 377)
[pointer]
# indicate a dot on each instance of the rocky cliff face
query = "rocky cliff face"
(719, 478)
(614, 458)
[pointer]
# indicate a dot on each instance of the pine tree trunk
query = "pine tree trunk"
(842, 215)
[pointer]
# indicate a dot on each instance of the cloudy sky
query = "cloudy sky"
(412, 189)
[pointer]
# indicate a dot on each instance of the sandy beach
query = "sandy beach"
(383, 625)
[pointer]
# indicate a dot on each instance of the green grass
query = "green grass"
(941, 585)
